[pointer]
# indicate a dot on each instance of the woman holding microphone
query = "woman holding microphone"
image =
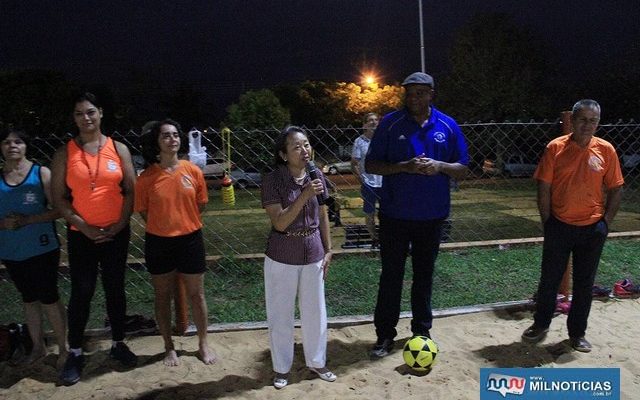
(297, 257)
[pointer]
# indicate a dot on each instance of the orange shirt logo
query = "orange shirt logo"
(595, 163)
(112, 165)
(186, 182)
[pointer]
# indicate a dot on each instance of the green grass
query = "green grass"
(498, 209)
(235, 288)
(245, 198)
(248, 236)
(481, 210)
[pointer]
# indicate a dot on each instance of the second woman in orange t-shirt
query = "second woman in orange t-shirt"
(170, 195)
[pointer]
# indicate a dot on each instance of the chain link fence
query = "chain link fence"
(497, 201)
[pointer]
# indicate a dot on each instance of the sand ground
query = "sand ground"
(467, 343)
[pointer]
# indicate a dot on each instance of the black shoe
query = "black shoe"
(122, 353)
(137, 324)
(423, 333)
(580, 344)
(382, 348)
(72, 369)
(534, 334)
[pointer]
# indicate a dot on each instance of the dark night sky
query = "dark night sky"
(226, 47)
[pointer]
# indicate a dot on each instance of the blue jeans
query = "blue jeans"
(395, 237)
(561, 240)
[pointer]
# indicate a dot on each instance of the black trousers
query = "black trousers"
(37, 277)
(395, 238)
(86, 258)
(561, 240)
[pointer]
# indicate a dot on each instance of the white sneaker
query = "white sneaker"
(280, 381)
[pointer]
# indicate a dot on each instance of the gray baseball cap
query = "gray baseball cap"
(418, 78)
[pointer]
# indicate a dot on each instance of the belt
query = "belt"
(303, 233)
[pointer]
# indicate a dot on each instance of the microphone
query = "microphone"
(312, 170)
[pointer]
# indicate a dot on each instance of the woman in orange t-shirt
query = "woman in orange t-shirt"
(92, 185)
(171, 195)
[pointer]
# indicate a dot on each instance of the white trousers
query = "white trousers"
(282, 283)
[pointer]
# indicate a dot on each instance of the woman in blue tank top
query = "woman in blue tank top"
(29, 246)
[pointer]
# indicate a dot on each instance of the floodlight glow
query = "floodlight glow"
(369, 79)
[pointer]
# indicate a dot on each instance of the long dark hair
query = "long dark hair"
(88, 97)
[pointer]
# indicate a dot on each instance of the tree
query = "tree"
(185, 104)
(36, 100)
(498, 73)
(314, 103)
(252, 120)
(618, 85)
(311, 105)
(364, 99)
(257, 109)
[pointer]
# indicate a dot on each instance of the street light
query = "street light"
(369, 79)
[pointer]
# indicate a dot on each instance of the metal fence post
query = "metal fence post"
(565, 285)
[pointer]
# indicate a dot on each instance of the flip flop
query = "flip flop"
(326, 375)
(563, 307)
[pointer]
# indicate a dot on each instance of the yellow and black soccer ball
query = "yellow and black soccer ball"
(420, 353)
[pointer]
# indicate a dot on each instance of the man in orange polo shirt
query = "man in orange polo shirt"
(572, 174)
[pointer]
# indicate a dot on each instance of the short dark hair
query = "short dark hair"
(582, 104)
(367, 115)
(150, 148)
(20, 133)
(280, 144)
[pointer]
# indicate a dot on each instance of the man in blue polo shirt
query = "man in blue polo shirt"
(417, 150)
